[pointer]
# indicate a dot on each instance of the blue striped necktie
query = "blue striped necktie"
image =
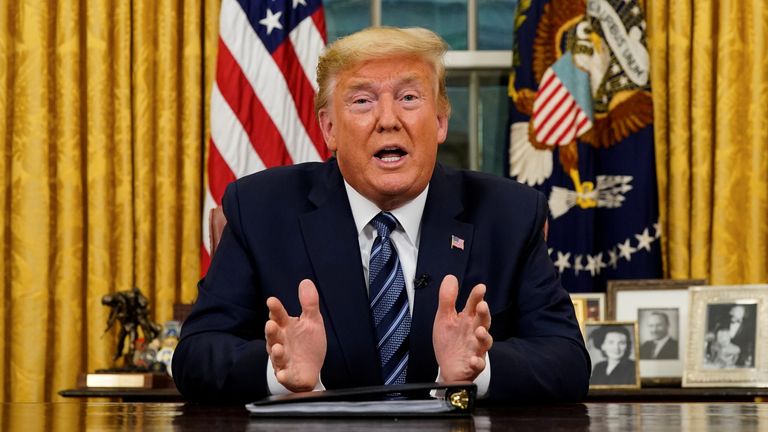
(389, 302)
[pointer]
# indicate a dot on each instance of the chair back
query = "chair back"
(216, 223)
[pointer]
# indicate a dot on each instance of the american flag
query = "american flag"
(457, 242)
(262, 100)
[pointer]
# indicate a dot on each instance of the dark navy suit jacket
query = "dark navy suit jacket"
(292, 223)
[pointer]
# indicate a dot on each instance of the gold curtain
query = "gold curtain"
(102, 126)
(709, 63)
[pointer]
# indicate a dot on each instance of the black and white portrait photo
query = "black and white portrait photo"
(730, 336)
(659, 333)
(612, 349)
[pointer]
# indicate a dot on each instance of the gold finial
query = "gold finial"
(460, 399)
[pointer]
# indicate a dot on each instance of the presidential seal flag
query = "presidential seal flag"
(581, 131)
(262, 111)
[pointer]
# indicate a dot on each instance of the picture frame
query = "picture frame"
(614, 286)
(595, 305)
(726, 345)
(661, 309)
(580, 309)
(612, 366)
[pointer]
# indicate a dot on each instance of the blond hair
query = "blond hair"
(375, 43)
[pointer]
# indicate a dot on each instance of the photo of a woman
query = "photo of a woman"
(613, 356)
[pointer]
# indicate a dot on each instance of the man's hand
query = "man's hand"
(461, 340)
(297, 346)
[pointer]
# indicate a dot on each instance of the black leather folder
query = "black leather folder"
(407, 400)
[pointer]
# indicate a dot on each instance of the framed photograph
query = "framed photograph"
(580, 308)
(660, 308)
(595, 305)
(613, 350)
(727, 344)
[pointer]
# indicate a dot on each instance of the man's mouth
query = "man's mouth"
(390, 154)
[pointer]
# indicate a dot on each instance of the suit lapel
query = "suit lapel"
(437, 258)
(331, 241)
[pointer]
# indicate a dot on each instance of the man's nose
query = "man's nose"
(388, 116)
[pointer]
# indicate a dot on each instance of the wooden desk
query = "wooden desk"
(96, 416)
(651, 395)
(677, 394)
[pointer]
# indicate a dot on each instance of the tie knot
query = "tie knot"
(384, 223)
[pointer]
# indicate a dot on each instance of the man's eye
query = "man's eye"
(360, 101)
(410, 97)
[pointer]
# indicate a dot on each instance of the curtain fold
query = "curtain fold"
(708, 62)
(32, 171)
(63, 341)
(108, 170)
(101, 122)
(6, 77)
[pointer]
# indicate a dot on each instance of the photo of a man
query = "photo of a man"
(730, 338)
(657, 339)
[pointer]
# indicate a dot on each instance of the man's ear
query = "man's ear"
(442, 128)
(326, 125)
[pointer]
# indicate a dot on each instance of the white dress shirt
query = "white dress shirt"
(405, 237)
(659, 345)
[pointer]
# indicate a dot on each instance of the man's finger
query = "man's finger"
(482, 315)
(475, 297)
(449, 290)
(477, 364)
(484, 339)
(282, 376)
(271, 334)
(277, 312)
(309, 299)
(278, 356)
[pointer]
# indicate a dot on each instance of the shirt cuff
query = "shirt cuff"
(275, 388)
(483, 381)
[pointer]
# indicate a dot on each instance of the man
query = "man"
(662, 346)
(385, 246)
(741, 328)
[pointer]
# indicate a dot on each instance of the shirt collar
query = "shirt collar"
(408, 215)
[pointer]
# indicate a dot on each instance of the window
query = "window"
(479, 33)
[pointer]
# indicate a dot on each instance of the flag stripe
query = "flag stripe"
(551, 102)
(554, 120)
(233, 141)
(308, 36)
(318, 17)
(253, 118)
(545, 93)
(301, 91)
(567, 131)
(219, 173)
(559, 119)
(584, 125)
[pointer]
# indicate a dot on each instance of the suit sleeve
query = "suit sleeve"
(542, 356)
(221, 357)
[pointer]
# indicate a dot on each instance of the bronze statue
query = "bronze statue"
(131, 309)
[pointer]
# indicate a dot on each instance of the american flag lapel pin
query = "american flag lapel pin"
(457, 242)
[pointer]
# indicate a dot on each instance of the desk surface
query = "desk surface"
(102, 416)
(653, 394)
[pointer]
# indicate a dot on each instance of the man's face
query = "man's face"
(657, 327)
(384, 125)
(737, 314)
